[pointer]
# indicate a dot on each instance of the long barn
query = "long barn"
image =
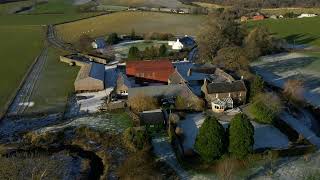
(90, 78)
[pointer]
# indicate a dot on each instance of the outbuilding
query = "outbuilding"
(90, 78)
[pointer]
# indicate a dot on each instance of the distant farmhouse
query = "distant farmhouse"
(186, 42)
(98, 43)
(258, 17)
(307, 15)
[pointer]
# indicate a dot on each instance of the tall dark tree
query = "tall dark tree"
(218, 32)
(163, 50)
(113, 38)
(134, 53)
(210, 140)
(241, 136)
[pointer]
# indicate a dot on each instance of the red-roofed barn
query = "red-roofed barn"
(156, 70)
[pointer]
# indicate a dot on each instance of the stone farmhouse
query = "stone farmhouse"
(223, 95)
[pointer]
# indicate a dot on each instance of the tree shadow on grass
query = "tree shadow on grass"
(292, 64)
(301, 38)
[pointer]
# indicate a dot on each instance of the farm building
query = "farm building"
(150, 71)
(152, 118)
(90, 78)
(215, 92)
(244, 18)
(307, 15)
(99, 43)
(258, 17)
(123, 84)
(182, 43)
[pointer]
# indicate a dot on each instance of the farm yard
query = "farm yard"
(124, 22)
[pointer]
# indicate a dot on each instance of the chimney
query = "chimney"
(241, 77)
(205, 83)
(189, 72)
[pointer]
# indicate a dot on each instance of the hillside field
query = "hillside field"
(144, 3)
(298, 31)
(52, 97)
(19, 48)
(124, 22)
(22, 38)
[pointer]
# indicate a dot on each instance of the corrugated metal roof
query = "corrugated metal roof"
(158, 70)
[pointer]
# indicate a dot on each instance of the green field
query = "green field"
(124, 22)
(145, 3)
(54, 84)
(298, 31)
(22, 38)
(20, 45)
(9, 8)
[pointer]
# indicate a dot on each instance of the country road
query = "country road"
(55, 41)
(22, 99)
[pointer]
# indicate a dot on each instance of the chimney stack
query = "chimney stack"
(189, 72)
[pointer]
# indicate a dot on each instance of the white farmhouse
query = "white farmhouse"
(307, 15)
(182, 43)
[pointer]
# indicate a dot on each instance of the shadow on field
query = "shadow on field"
(300, 38)
(293, 64)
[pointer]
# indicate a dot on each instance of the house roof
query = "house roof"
(92, 70)
(183, 69)
(187, 41)
(123, 79)
(158, 70)
(226, 87)
(100, 42)
(161, 91)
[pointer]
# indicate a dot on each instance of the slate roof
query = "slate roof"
(188, 41)
(158, 70)
(100, 42)
(164, 90)
(183, 68)
(123, 79)
(92, 70)
(226, 87)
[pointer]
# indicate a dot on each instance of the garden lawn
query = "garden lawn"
(298, 31)
(54, 85)
(123, 48)
(124, 22)
(20, 45)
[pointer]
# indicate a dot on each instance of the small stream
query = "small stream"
(96, 164)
